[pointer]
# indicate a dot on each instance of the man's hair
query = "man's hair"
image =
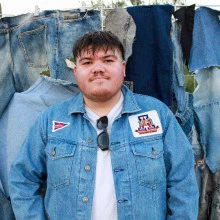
(94, 40)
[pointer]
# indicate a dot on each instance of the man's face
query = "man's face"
(100, 76)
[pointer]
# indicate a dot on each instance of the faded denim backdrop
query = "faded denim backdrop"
(31, 44)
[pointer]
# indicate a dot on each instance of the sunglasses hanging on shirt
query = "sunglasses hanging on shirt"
(103, 137)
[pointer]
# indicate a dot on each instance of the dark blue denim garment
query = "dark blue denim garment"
(150, 66)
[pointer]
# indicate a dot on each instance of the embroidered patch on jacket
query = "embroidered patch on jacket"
(145, 124)
(57, 125)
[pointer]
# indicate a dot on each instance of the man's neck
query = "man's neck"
(102, 108)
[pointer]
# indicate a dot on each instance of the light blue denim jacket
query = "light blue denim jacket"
(153, 174)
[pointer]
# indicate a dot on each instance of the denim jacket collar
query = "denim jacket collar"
(130, 105)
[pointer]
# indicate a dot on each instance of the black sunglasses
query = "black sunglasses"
(103, 137)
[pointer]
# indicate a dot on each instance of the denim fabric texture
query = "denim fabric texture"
(215, 208)
(125, 28)
(150, 67)
(178, 65)
(6, 212)
(32, 44)
(186, 118)
(21, 113)
(206, 32)
(206, 104)
(205, 199)
(61, 155)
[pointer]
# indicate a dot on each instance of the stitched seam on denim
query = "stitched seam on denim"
(30, 20)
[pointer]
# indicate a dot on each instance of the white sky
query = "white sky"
(15, 7)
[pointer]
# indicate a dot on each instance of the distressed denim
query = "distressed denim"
(215, 207)
(206, 104)
(71, 25)
(62, 153)
(21, 113)
(178, 65)
(206, 40)
(205, 199)
(32, 44)
(186, 118)
(150, 67)
(125, 28)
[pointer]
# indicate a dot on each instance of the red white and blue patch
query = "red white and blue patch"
(145, 124)
(57, 125)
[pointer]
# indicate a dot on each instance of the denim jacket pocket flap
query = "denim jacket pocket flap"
(59, 162)
(152, 150)
(56, 150)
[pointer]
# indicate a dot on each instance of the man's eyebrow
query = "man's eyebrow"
(110, 56)
(104, 57)
(84, 58)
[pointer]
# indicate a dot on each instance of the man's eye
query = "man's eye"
(86, 63)
(109, 61)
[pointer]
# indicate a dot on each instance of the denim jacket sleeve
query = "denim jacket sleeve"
(27, 175)
(182, 187)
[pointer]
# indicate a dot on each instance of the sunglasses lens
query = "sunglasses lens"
(102, 122)
(103, 140)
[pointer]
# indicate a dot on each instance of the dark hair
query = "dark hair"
(94, 40)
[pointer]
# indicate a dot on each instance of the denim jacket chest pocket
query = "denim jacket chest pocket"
(59, 162)
(149, 162)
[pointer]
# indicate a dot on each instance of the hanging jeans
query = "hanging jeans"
(20, 114)
(206, 104)
(32, 44)
(150, 67)
(206, 32)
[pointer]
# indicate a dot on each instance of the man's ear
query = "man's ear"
(124, 64)
(74, 69)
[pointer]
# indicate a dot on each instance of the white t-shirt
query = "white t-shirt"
(104, 199)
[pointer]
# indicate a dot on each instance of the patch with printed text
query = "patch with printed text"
(57, 125)
(145, 124)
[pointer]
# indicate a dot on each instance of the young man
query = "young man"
(107, 153)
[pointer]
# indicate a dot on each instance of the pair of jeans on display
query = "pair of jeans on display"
(125, 28)
(150, 67)
(206, 40)
(21, 113)
(32, 44)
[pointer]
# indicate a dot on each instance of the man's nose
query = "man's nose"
(98, 68)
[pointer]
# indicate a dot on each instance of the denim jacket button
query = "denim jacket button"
(53, 153)
(154, 152)
(85, 199)
(87, 168)
(89, 140)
